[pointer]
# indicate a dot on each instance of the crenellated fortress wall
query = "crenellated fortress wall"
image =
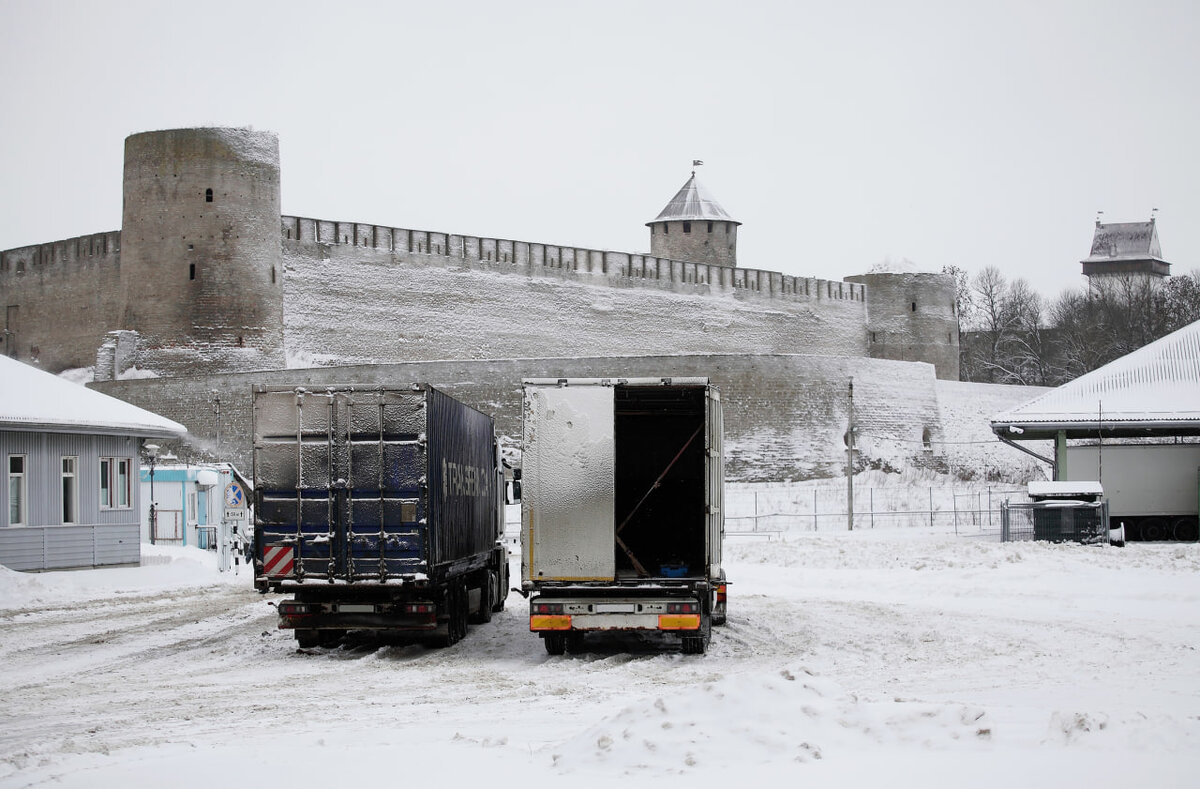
(357, 294)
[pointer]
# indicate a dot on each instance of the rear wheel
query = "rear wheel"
(306, 639)
(556, 643)
(575, 643)
(1186, 529)
(1155, 530)
(487, 598)
(456, 625)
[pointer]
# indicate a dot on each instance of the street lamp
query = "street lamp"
(151, 461)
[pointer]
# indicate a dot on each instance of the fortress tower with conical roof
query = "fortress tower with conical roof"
(694, 227)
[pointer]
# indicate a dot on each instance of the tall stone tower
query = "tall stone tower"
(1126, 250)
(912, 317)
(201, 255)
(694, 227)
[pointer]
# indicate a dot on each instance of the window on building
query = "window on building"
(115, 482)
(16, 490)
(687, 227)
(191, 271)
(208, 195)
(70, 490)
(710, 227)
(193, 514)
(914, 306)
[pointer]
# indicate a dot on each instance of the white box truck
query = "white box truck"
(621, 509)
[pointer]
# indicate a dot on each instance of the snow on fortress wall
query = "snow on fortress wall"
(785, 414)
(360, 293)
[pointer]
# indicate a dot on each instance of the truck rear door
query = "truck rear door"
(567, 505)
(714, 469)
(338, 478)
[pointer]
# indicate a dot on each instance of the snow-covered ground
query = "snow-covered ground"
(897, 656)
(892, 657)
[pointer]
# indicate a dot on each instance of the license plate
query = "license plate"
(356, 609)
(615, 608)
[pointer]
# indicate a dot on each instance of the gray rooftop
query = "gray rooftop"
(692, 203)
(1125, 241)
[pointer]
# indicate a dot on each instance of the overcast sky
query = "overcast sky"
(840, 133)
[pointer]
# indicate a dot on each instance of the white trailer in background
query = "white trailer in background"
(1153, 490)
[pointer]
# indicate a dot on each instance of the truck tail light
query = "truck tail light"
(689, 607)
(721, 593)
(293, 608)
(419, 608)
(537, 607)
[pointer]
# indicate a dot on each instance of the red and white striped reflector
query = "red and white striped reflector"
(278, 561)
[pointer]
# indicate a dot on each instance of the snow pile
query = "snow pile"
(164, 568)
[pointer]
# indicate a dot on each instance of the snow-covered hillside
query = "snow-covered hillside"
(897, 657)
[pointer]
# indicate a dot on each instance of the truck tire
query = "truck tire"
(487, 593)
(719, 609)
(1186, 529)
(575, 643)
(556, 643)
(456, 624)
(307, 639)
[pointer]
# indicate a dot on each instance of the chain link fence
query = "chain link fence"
(768, 511)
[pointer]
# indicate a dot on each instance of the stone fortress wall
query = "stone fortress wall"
(785, 414)
(209, 285)
(214, 279)
(441, 296)
(60, 299)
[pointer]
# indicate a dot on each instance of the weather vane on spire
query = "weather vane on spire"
(696, 163)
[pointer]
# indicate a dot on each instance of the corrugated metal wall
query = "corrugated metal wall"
(99, 536)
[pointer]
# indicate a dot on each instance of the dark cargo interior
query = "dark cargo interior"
(659, 433)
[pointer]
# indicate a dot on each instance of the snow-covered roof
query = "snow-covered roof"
(31, 399)
(1154, 389)
(693, 202)
(1125, 241)
(1062, 489)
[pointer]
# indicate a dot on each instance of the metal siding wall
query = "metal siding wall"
(70, 546)
(21, 549)
(118, 544)
(99, 537)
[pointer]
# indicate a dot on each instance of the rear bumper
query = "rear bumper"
(540, 623)
(554, 613)
(358, 621)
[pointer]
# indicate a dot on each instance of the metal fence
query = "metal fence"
(1086, 523)
(767, 513)
(206, 537)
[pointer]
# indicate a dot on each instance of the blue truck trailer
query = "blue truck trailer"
(377, 508)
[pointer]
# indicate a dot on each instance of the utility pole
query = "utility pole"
(850, 464)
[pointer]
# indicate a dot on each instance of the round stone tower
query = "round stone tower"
(912, 317)
(694, 227)
(201, 258)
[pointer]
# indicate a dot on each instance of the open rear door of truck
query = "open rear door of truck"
(567, 503)
(714, 468)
